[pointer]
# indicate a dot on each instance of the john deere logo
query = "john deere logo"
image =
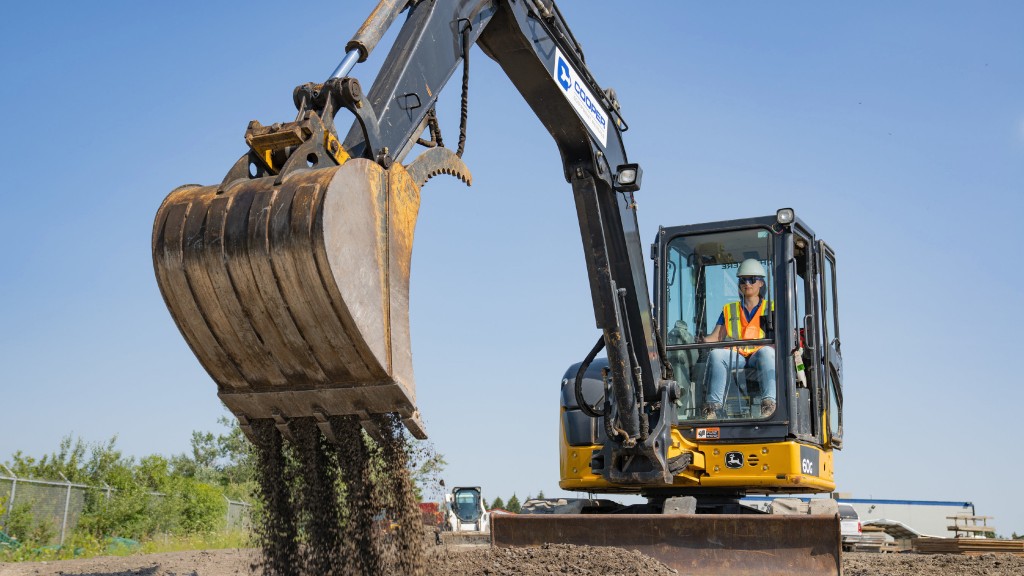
(734, 459)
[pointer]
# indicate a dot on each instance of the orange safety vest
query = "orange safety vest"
(736, 324)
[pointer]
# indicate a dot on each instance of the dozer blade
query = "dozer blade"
(700, 544)
(295, 296)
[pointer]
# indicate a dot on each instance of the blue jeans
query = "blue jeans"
(722, 361)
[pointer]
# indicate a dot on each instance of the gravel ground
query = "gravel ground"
(867, 564)
(486, 561)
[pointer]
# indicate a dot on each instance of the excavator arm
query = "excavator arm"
(534, 46)
(290, 279)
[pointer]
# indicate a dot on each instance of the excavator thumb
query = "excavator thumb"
(293, 291)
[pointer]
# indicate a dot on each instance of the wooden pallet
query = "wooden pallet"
(967, 546)
(971, 526)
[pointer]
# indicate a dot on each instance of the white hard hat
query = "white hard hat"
(751, 267)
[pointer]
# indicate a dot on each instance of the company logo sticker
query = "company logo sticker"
(734, 459)
(708, 434)
(564, 76)
(583, 101)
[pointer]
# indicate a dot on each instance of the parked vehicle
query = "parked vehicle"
(850, 527)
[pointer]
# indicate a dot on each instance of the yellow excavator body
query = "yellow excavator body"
(770, 467)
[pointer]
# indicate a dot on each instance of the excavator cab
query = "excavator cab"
(794, 359)
(725, 440)
(738, 447)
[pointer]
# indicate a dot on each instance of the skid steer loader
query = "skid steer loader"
(289, 279)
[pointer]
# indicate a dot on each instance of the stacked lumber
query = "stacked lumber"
(971, 526)
(872, 541)
(967, 546)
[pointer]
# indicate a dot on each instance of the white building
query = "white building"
(927, 517)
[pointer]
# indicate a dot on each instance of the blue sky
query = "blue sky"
(896, 130)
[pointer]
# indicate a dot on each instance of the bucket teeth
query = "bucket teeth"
(295, 296)
(284, 427)
(324, 424)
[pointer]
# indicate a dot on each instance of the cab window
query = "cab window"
(700, 283)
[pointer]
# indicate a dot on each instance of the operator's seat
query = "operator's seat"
(743, 393)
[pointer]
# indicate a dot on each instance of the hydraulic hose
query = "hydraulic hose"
(638, 384)
(578, 385)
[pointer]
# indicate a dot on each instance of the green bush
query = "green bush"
(191, 488)
(129, 513)
(20, 524)
(201, 508)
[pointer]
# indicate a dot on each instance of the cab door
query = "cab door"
(831, 344)
(805, 317)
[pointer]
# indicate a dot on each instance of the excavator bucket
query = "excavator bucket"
(293, 292)
(695, 544)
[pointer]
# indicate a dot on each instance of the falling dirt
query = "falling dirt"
(276, 531)
(339, 505)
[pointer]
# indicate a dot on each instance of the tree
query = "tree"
(513, 504)
(153, 472)
(225, 460)
(498, 503)
(199, 507)
(107, 465)
(104, 465)
(67, 462)
(540, 495)
(204, 450)
(130, 499)
(239, 462)
(426, 466)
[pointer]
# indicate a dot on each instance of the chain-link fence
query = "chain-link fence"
(59, 505)
(239, 515)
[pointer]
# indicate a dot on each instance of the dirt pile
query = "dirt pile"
(338, 505)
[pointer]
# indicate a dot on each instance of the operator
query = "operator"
(742, 320)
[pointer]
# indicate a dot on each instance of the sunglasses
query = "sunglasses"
(750, 280)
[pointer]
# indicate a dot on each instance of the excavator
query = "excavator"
(289, 280)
